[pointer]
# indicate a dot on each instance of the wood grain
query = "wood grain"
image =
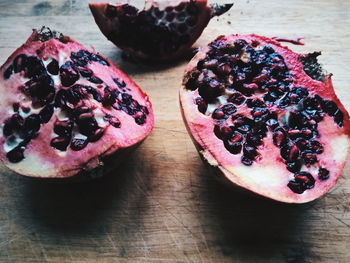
(163, 205)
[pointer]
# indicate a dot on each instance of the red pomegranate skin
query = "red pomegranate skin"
(159, 31)
(112, 129)
(265, 171)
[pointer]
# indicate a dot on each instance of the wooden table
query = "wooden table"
(163, 205)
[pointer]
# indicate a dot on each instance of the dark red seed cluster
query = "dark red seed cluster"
(71, 100)
(154, 32)
(258, 78)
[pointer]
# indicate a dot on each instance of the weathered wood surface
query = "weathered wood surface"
(163, 205)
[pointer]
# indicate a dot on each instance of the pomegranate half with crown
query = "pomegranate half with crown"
(64, 108)
(161, 30)
(266, 117)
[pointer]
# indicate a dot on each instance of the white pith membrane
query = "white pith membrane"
(40, 158)
(268, 175)
(164, 29)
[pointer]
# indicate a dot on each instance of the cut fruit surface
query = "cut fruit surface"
(161, 30)
(267, 117)
(63, 108)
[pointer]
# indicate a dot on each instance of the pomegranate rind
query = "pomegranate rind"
(43, 161)
(268, 177)
(108, 25)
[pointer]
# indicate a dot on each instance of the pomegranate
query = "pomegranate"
(267, 117)
(63, 108)
(162, 30)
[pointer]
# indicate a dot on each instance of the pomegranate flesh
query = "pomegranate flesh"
(161, 30)
(267, 117)
(63, 108)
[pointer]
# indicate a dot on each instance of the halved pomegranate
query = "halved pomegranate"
(63, 108)
(267, 117)
(162, 30)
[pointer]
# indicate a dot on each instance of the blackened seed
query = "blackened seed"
(41, 89)
(60, 99)
(60, 143)
(68, 74)
(224, 132)
(8, 128)
(211, 90)
(108, 99)
(78, 144)
(286, 152)
(236, 98)
(129, 10)
(94, 92)
(329, 107)
(294, 166)
(202, 105)
(63, 128)
(73, 95)
(218, 114)
(279, 137)
(32, 124)
(16, 155)
(8, 72)
(268, 49)
(296, 187)
(25, 109)
(311, 104)
(15, 107)
(98, 133)
(339, 118)
(17, 121)
(85, 72)
(305, 179)
(229, 109)
(254, 139)
(323, 174)
(114, 121)
(87, 124)
(81, 54)
(180, 17)
(240, 43)
(120, 84)
(309, 157)
(98, 58)
(46, 113)
(234, 147)
(302, 181)
(315, 147)
(249, 151)
(246, 161)
(97, 96)
(34, 67)
(255, 103)
(126, 98)
(159, 14)
(53, 67)
(255, 43)
(81, 109)
(140, 120)
(169, 9)
(145, 110)
(19, 63)
(95, 80)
